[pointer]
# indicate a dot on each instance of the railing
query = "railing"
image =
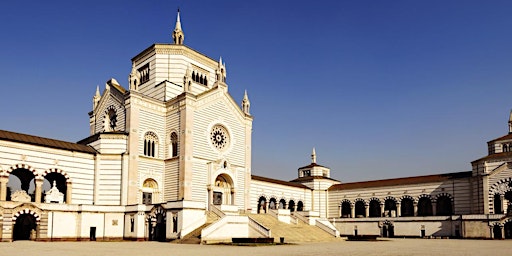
(260, 228)
(326, 226)
(298, 216)
(217, 211)
(193, 226)
(210, 229)
(272, 213)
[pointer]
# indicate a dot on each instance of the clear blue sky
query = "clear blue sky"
(382, 89)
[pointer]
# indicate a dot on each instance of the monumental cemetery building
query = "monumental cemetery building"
(168, 157)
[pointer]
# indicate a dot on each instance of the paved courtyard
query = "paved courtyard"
(389, 247)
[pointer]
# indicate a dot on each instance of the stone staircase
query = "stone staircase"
(194, 237)
(292, 233)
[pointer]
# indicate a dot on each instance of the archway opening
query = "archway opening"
(345, 209)
(291, 206)
(223, 190)
(282, 204)
(272, 204)
(407, 207)
(374, 208)
(300, 206)
(388, 230)
(444, 206)
(21, 184)
(390, 208)
(496, 232)
(262, 205)
(507, 228)
(25, 225)
(60, 182)
(424, 207)
(360, 209)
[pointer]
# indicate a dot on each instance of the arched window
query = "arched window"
(390, 207)
(262, 205)
(282, 204)
(345, 209)
(505, 148)
(110, 122)
(407, 207)
(174, 144)
(360, 209)
(444, 206)
(374, 208)
(149, 187)
(300, 206)
(21, 185)
(57, 180)
(291, 206)
(424, 206)
(272, 204)
(150, 144)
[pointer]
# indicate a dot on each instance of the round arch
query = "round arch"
(425, 205)
(360, 207)
(150, 192)
(346, 208)
(444, 204)
(262, 204)
(407, 206)
(390, 206)
(22, 166)
(223, 190)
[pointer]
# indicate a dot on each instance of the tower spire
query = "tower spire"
(177, 35)
(313, 156)
(96, 97)
(246, 104)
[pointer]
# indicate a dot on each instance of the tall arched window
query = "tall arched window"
(407, 207)
(346, 209)
(424, 206)
(444, 206)
(174, 144)
(374, 208)
(360, 209)
(150, 144)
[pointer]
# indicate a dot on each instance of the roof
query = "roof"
(506, 137)
(280, 182)
(309, 178)
(402, 181)
(45, 142)
(495, 156)
(96, 137)
(311, 165)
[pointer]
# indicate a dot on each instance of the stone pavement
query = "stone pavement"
(437, 247)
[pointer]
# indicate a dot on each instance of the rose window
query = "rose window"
(219, 137)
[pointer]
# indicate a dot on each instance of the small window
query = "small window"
(147, 198)
(144, 73)
(150, 144)
(174, 144)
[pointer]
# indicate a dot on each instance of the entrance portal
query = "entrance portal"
(156, 227)
(507, 228)
(25, 224)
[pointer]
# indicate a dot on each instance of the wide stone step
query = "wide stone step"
(292, 233)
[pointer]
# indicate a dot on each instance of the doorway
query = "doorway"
(24, 226)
